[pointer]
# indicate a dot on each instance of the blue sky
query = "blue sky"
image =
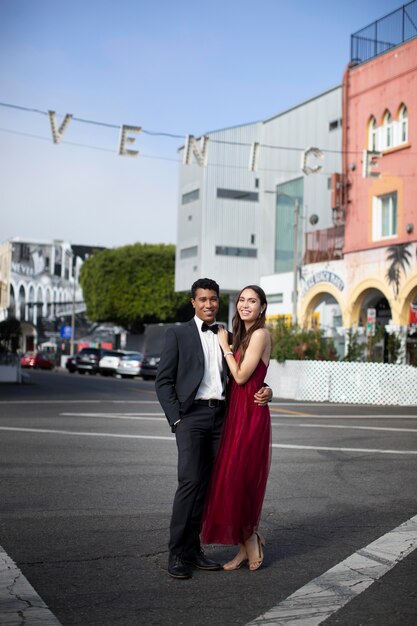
(173, 67)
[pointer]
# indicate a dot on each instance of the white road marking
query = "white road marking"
(172, 438)
(317, 600)
(351, 417)
(335, 449)
(290, 425)
(272, 404)
(50, 401)
(160, 417)
(79, 401)
(74, 433)
(20, 604)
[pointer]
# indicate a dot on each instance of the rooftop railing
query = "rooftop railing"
(383, 34)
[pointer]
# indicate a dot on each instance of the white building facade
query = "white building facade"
(43, 288)
(246, 205)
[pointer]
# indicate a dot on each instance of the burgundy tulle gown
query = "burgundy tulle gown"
(237, 489)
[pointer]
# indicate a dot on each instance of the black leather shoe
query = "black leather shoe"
(177, 568)
(198, 559)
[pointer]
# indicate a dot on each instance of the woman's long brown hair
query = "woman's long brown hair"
(241, 338)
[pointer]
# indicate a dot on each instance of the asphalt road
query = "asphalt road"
(87, 477)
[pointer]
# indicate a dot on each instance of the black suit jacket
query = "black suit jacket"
(181, 370)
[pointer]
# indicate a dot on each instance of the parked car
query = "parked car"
(149, 367)
(87, 360)
(109, 362)
(37, 360)
(130, 365)
(70, 364)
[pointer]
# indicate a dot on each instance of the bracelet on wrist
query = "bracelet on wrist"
(227, 354)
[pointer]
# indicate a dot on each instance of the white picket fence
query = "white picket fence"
(351, 383)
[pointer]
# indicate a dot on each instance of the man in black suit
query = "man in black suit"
(191, 387)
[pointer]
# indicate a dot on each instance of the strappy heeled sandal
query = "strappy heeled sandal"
(240, 559)
(256, 563)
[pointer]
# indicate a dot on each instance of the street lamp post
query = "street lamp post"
(295, 262)
(72, 318)
(74, 282)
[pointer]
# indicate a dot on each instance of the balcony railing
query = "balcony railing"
(383, 34)
(324, 245)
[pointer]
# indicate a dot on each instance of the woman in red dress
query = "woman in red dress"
(237, 489)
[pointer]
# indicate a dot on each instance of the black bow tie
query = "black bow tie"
(214, 327)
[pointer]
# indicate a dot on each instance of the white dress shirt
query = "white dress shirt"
(211, 386)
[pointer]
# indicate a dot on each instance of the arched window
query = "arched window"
(12, 305)
(403, 119)
(31, 303)
(387, 130)
(22, 303)
(372, 135)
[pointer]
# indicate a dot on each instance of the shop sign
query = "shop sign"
(324, 276)
(370, 322)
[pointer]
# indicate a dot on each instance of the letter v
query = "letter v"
(57, 133)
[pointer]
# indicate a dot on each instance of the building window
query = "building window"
(335, 124)
(403, 124)
(391, 133)
(252, 239)
(387, 130)
(238, 194)
(187, 253)
(289, 198)
(372, 135)
(275, 298)
(384, 223)
(24, 251)
(191, 196)
(242, 252)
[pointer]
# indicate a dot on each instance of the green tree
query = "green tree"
(355, 348)
(293, 342)
(393, 348)
(133, 285)
(10, 331)
(399, 257)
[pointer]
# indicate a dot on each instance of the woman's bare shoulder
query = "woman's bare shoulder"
(262, 334)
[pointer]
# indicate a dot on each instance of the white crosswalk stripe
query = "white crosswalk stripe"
(317, 600)
(20, 604)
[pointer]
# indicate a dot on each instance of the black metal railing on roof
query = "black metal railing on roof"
(384, 34)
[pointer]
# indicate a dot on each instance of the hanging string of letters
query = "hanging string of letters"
(195, 149)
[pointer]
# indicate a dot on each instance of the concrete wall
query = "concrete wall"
(10, 374)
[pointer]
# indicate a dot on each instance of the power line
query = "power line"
(148, 156)
(175, 135)
(84, 121)
(174, 160)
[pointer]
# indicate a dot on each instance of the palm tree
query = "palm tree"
(399, 258)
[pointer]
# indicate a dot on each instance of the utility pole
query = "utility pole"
(295, 262)
(74, 278)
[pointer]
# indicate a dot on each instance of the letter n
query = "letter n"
(199, 152)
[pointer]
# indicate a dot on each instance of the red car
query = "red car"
(37, 360)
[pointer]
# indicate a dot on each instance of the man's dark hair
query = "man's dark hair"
(204, 283)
